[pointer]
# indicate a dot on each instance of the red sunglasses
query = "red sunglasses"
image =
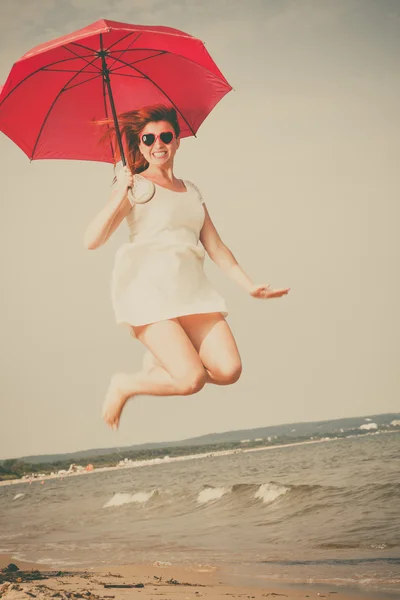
(166, 137)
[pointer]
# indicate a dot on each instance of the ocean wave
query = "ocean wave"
(385, 491)
(44, 561)
(392, 560)
(245, 493)
(268, 492)
(250, 494)
(356, 545)
(17, 496)
(299, 499)
(120, 498)
(210, 494)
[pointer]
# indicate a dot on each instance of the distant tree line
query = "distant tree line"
(15, 468)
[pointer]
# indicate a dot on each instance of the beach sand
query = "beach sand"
(157, 581)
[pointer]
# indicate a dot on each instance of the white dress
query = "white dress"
(159, 273)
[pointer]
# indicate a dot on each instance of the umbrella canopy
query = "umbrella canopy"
(55, 93)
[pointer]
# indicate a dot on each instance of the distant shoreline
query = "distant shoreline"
(157, 461)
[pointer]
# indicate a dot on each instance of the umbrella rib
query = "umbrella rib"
(57, 62)
(98, 73)
(82, 46)
(84, 58)
(51, 108)
(141, 60)
(219, 77)
(126, 49)
(82, 82)
(161, 90)
(122, 39)
(126, 75)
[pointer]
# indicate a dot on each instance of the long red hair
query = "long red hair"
(131, 124)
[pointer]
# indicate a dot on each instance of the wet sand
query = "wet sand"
(154, 582)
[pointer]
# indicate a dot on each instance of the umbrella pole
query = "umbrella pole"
(106, 77)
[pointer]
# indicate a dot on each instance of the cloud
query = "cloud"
(308, 14)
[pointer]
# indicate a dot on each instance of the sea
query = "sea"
(325, 513)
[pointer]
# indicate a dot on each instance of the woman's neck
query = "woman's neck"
(160, 173)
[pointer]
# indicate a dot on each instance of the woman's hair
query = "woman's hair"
(131, 124)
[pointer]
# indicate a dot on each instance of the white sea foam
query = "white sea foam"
(210, 493)
(44, 561)
(142, 497)
(18, 496)
(119, 499)
(268, 492)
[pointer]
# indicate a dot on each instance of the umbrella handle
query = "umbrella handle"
(106, 77)
(144, 191)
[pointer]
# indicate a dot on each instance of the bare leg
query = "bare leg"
(181, 371)
(211, 336)
(150, 361)
(213, 340)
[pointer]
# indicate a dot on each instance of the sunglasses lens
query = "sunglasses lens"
(148, 139)
(166, 137)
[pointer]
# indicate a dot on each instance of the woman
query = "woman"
(159, 288)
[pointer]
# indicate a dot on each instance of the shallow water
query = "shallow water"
(321, 512)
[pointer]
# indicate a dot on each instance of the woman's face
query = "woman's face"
(159, 153)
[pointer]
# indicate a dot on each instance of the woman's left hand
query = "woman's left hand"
(265, 291)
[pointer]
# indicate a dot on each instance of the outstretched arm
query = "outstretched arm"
(223, 257)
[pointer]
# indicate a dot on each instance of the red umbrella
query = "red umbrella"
(55, 93)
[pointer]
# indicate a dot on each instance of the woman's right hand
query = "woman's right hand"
(124, 179)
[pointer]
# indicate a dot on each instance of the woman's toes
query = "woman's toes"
(114, 403)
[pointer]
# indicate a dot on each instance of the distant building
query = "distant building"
(73, 468)
(368, 426)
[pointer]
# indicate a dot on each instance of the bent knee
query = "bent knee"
(191, 383)
(228, 374)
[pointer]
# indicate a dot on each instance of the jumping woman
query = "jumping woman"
(159, 288)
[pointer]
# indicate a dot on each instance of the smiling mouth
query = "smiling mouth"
(159, 154)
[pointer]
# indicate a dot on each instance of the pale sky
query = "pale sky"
(299, 167)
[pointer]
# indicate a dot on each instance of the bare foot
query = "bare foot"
(115, 401)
